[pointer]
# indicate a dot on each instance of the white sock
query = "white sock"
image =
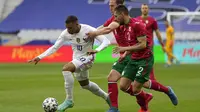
(69, 84)
(95, 89)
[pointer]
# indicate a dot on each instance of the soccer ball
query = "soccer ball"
(50, 104)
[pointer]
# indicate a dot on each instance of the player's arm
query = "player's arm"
(100, 27)
(59, 42)
(171, 37)
(140, 31)
(171, 34)
(108, 29)
(158, 35)
(137, 47)
(104, 43)
(124, 55)
(105, 30)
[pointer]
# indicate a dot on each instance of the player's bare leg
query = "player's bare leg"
(152, 76)
(135, 89)
(95, 89)
(173, 57)
(170, 56)
(113, 77)
(153, 84)
(67, 71)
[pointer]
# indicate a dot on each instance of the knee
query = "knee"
(68, 67)
(123, 87)
(146, 85)
(85, 84)
(85, 87)
(127, 88)
(135, 91)
(111, 78)
(114, 76)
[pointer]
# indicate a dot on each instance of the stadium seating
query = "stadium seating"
(51, 14)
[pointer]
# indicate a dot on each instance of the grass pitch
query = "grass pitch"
(23, 87)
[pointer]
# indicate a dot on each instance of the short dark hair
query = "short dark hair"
(122, 8)
(144, 4)
(119, 2)
(71, 19)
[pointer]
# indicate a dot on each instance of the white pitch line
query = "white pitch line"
(102, 77)
(97, 77)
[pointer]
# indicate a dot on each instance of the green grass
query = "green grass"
(23, 87)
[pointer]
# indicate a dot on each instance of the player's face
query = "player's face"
(72, 27)
(144, 9)
(119, 17)
(166, 23)
(112, 5)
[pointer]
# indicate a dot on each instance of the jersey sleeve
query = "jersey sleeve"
(108, 22)
(155, 25)
(140, 29)
(59, 42)
(101, 38)
(104, 42)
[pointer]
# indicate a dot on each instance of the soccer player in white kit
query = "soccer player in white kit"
(83, 58)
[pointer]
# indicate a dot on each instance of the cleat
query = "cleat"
(113, 109)
(178, 62)
(167, 65)
(149, 98)
(143, 110)
(65, 105)
(172, 96)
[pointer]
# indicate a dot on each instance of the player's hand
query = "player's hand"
(163, 48)
(118, 49)
(35, 60)
(91, 51)
(91, 34)
(171, 44)
(121, 58)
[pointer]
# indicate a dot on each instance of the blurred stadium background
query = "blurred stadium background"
(28, 27)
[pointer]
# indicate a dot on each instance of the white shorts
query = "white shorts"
(83, 64)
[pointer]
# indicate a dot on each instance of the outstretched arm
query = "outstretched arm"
(104, 43)
(139, 46)
(104, 30)
(49, 51)
(59, 42)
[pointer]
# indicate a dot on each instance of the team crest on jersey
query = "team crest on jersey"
(78, 40)
(86, 39)
(129, 29)
(146, 21)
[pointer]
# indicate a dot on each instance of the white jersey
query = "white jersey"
(80, 42)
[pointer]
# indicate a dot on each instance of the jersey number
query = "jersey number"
(82, 59)
(79, 47)
(139, 71)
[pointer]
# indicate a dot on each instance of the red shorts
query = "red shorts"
(152, 76)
